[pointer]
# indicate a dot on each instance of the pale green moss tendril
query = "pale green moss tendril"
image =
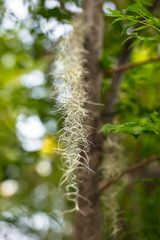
(112, 165)
(71, 97)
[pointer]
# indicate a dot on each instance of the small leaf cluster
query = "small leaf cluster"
(149, 123)
(138, 18)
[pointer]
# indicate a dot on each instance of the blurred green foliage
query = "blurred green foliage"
(33, 171)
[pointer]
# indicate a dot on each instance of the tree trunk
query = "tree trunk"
(88, 225)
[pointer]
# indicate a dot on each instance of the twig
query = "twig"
(126, 66)
(133, 168)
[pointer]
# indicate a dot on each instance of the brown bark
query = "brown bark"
(88, 225)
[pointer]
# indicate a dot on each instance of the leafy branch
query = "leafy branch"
(131, 169)
(117, 78)
(139, 18)
(149, 123)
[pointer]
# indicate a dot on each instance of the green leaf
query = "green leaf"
(136, 131)
(118, 19)
(133, 8)
(129, 25)
(126, 127)
(140, 28)
(135, 42)
(130, 37)
(107, 127)
(114, 12)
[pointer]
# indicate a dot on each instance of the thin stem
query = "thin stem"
(126, 66)
(131, 169)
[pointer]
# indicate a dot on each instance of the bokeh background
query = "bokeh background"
(31, 204)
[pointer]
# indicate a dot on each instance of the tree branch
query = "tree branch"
(131, 169)
(127, 66)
